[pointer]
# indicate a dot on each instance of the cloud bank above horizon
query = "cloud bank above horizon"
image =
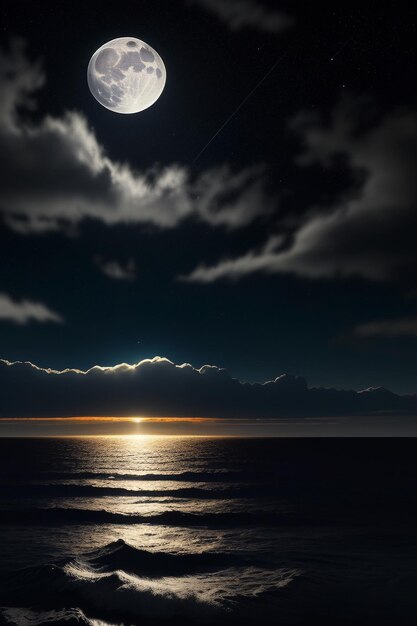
(159, 388)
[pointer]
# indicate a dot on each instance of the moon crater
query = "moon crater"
(126, 75)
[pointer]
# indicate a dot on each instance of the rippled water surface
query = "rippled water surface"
(208, 531)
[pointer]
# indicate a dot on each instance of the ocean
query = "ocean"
(139, 531)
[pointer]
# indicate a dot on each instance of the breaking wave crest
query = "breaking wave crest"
(125, 584)
(67, 617)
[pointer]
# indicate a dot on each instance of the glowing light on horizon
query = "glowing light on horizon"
(110, 419)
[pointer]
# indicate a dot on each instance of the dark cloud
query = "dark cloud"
(158, 387)
(55, 173)
(117, 269)
(400, 327)
(26, 311)
(239, 14)
(369, 231)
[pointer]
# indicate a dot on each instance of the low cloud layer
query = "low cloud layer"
(369, 231)
(159, 388)
(400, 327)
(25, 311)
(240, 14)
(55, 173)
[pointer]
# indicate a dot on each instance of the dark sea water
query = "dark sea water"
(208, 531)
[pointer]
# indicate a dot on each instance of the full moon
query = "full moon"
(126, 75)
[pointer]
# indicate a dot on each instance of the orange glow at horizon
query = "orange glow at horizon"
(110, 419)
(129, 426)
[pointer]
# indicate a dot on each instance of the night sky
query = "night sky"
(287, 246)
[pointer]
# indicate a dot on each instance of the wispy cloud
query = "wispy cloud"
(240, 14)
(399, 327)
(25, 311)
(117, 269)
(55, 173)
(369, 231)
(232, 269)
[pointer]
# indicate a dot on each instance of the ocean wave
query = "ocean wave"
(206, 476)
(90, 491)
(116, 582)
(57, 515)
(69, 617)
(119, 555)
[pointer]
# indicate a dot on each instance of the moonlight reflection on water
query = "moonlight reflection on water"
(139, 530)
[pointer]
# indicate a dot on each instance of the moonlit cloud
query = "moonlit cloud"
(233, 269)
(25, 311)
(369, 232)
(400, 327)
(159, 388)
(55, 173)
(240, 14)
(116, 269)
